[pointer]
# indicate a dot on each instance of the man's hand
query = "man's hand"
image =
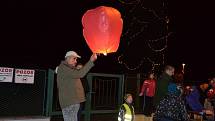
(93, 58)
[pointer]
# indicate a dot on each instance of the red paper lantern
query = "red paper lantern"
(102, 28)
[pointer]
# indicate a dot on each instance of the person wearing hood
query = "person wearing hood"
(70, 89)
(172, 106)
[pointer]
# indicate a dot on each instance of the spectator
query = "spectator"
(70, 89)
(126, 112)
(171, 107)
(162, 83)
(148, 91)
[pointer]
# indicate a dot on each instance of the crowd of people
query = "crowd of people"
(166, 98)
(173, 100)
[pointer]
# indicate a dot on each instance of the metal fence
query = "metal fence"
(19, 99)
(104, 93)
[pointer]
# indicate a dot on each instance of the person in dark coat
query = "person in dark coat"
(162, 84)
(172, 106)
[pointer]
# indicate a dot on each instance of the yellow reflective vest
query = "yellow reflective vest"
(126, 113)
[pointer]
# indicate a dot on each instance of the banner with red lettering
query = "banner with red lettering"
(24, 76)
(6, 74)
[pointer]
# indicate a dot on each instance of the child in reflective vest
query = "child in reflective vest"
(126, 112)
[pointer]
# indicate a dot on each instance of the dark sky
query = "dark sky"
(194, 40)
(37, 34)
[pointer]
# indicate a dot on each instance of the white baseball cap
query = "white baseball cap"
(72, 53)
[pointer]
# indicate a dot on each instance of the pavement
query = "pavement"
(108, 117)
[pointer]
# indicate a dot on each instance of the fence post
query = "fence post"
(88, 97)
(138, 90)
(121, 90)
(49, 95)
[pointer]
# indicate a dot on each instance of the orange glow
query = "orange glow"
(102, 28)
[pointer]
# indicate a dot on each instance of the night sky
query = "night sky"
(38, 33)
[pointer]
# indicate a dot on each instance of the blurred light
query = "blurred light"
(183, 64)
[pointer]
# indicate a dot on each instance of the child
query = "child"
(148, 90)
(126, 112)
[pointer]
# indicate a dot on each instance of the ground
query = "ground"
(107, 117)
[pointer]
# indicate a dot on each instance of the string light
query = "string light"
(129, 3)
(137, 34)
(134, 68)
(158, 50)
(163, 58)
(161, 38)
(139, 65)
(142, 24)
(129, 67)
(154, 13)
(139, 21)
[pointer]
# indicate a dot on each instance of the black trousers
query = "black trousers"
(147, 105)
(80, 111)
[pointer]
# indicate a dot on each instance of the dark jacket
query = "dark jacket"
(70, 89)
(171, 107)
(162, 87)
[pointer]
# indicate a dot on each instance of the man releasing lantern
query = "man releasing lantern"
(102, 28)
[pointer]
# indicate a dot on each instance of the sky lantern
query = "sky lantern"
(102, 28)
